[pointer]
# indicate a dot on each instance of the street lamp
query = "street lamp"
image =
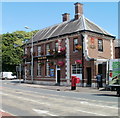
(31, 54)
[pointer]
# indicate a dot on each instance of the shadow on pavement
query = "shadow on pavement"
(111, 95)
(16, 81)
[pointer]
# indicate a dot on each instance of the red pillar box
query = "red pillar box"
(73, 83)
(77, 80)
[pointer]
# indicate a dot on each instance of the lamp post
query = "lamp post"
(31, 54)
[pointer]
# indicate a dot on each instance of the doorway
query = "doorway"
(58, 77)
(100, 67)
(89, 76)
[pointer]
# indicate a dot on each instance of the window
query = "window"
(56, 46)
(77, 69)
(39, 70)
(39, 50)
(75, 43)
(47, 69)
(100, 45)
(47, 49)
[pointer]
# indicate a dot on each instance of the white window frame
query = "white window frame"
(47, 69)
(56, 46)
(39, 70)
(47, 49)
(39, 50)
(77, 69)
(75, 42)
(100, 45)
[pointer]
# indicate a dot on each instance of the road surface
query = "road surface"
(19, 100)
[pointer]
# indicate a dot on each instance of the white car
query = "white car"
(7, 75)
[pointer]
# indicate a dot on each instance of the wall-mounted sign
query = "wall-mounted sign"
(40, 58)
(92, 43)
(52, 72)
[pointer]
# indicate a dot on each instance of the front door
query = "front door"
(100, 72)
(89, 76)
(58, 77)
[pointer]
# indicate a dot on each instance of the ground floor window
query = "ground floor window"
(47, 69)
(39, 70)
(76, 69)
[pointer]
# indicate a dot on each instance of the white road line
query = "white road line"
(67, 96)
(98, 105)
(82, 102)
(43, 112)
(2, 110)
(26, 99)
(92, 113)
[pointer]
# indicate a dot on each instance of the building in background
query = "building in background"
(76, 47)
(117, 48)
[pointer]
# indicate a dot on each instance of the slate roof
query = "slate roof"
(67, 27)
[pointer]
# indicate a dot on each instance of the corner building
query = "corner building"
(74, 47)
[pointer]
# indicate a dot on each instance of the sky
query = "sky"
(38, 15)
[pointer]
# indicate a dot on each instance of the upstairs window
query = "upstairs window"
(75, 43)
(100, 45)
(48, 49)
(39, 50)
(56, 46)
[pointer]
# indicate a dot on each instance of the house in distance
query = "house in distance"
(76, 47)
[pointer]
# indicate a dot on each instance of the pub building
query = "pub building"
(75, 47)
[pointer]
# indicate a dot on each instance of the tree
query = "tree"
(12, 49)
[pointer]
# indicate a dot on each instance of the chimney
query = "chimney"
(78, 10)
(66, 17)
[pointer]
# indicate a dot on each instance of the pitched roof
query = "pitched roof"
(67, 27)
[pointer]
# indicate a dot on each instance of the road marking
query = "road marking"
(43, 112)
(2, 110)
(6, 112)
(98, 105)
(68, 97)
(26, 99)
(82, 102)
(92, 113)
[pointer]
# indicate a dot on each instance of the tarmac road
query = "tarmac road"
(19, 99)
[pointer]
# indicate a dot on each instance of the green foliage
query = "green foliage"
(12, 50)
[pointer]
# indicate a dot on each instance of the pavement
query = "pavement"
(68, 88)
(63, 88)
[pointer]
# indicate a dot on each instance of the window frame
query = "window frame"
(47, 69)
(39, 69)
(100, 45)
(75, 44)
(39, 50)
(47, 48)
(77, 69)
(56, 46)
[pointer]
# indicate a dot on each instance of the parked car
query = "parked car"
(7, 76)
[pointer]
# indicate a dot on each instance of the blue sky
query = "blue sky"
(38, 15)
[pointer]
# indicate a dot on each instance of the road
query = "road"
(19, 100)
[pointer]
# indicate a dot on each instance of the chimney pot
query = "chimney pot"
(66, 17)
(78, 10)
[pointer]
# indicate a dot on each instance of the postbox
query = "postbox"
(77, 80)
(73, 83)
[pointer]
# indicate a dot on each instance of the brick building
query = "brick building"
(117, 48)
(74, 47)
